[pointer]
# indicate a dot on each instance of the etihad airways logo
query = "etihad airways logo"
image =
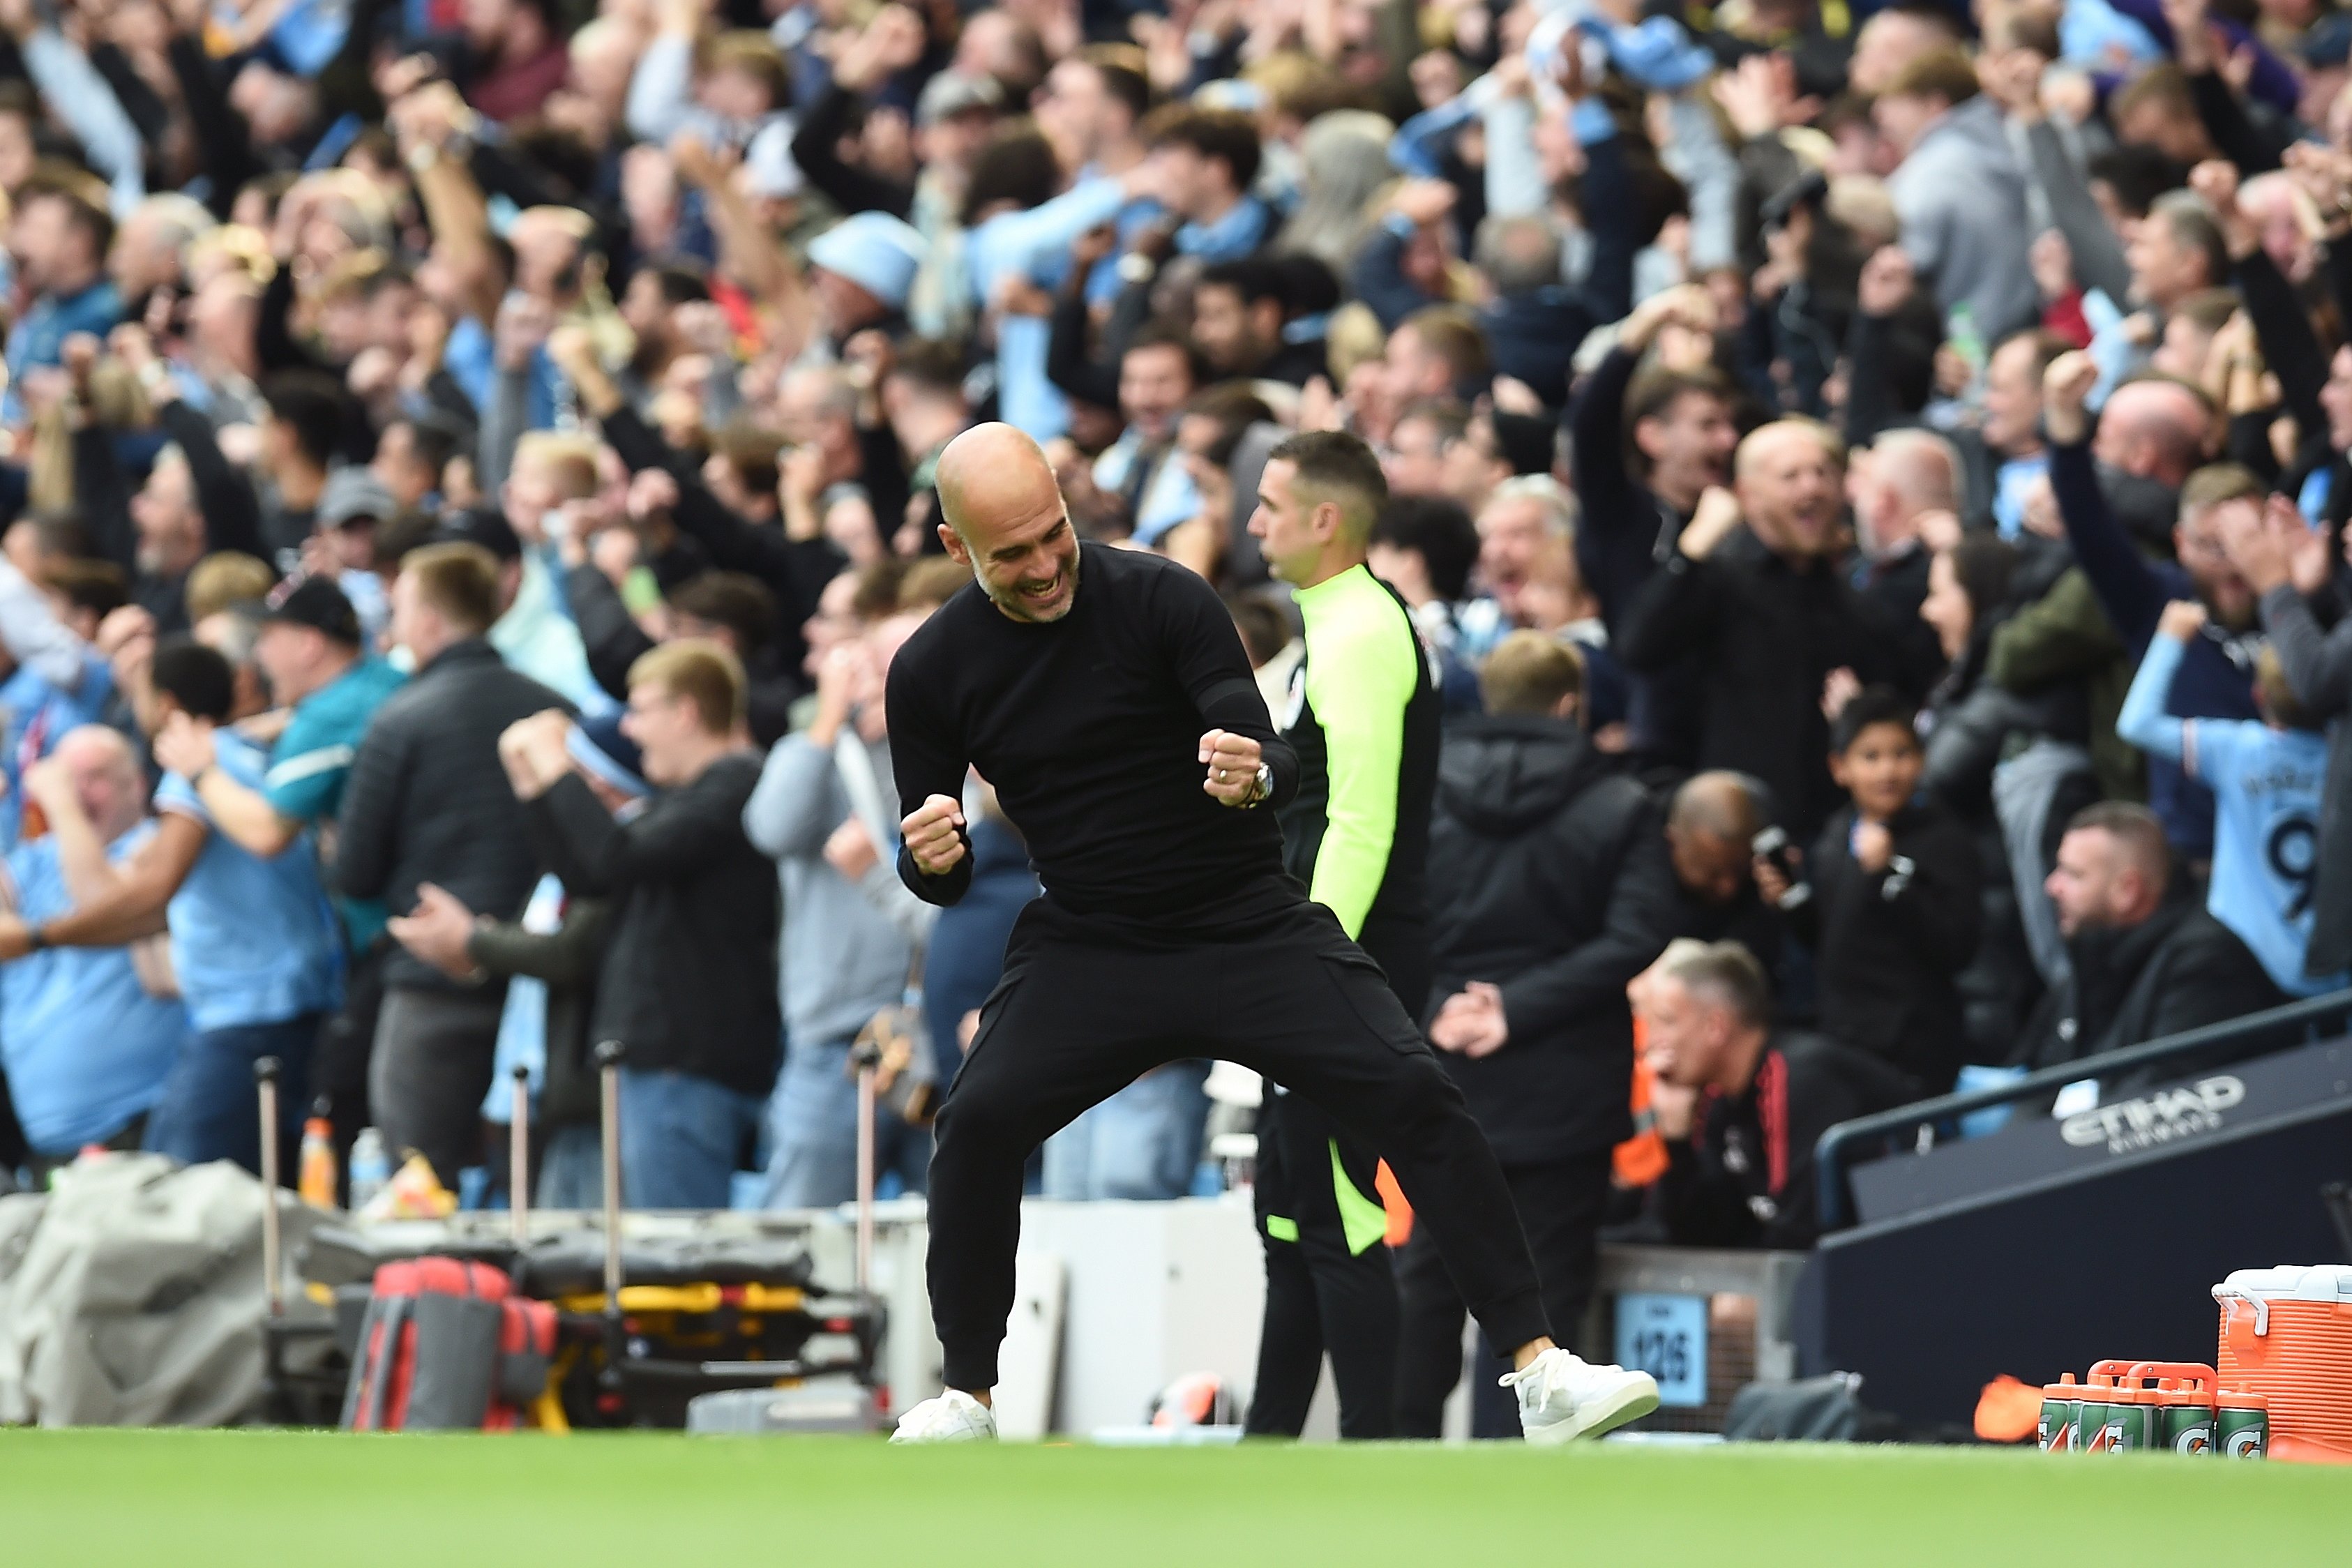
(2165, 1117)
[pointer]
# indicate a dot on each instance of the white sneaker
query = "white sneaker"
(954, 1417)
(1563, 1397)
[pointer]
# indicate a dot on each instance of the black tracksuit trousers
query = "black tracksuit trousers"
(1326, 1289)
(1086, 1006)
(1329, 1285)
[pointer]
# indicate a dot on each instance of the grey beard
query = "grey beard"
(1009, 604)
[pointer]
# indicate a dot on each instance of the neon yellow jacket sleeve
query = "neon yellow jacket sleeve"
(1362, 663)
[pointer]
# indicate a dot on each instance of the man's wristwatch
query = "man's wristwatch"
(1265, 788)
(35, 940)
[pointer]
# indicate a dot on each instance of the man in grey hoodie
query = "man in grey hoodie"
(1959, 192)
(851, 931)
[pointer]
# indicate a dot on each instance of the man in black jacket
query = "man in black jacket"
(1740, 1103)
(2147, 960)
(689, 981)
(1549, 888)
(1766, 615)
(427, 802)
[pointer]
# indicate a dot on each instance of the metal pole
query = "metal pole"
(265, 1078)
(519, 1158)
(608, 1068)
(865, 1178)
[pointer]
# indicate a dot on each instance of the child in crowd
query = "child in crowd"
(2266, 779)
(1890, 908)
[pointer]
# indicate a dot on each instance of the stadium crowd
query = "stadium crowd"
(1870, 485)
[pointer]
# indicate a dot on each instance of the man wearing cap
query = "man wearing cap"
(861, 270)
(312, 650)
(954, 119)
(355, 503)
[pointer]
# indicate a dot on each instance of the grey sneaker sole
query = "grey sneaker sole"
(1636, 1399)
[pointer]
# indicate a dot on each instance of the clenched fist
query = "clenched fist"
(933, 835)
(1233, 761)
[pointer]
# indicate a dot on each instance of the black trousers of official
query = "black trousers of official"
(1560, 1206)
(1084, 1009)
(1326, 1288)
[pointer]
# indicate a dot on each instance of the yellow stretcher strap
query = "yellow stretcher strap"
(698, 1298)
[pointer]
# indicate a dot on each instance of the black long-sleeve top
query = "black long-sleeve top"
(428, 800)
(2252, 144)
(227, 143)
(1068, 365)
(1089, 728)
(2283, 328)
(689, 982)
(1627, 530)
(147, 111)
(224, 494)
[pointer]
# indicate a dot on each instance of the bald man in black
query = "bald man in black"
(1105, 695)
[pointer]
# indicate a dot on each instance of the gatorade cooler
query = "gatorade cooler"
(2184, 1404)
(2287, 1335)
(2242, 1428)
(2061, 1409)
(2132, 1420)
(2092, 1434)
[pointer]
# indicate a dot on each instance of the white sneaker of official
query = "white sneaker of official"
(954, 1417)
(1563, 1397)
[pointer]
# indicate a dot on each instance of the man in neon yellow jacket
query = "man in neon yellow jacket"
(1363, 718)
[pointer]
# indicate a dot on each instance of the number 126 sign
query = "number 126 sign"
(1665, 1336)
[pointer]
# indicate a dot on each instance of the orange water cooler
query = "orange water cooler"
(2286, 1335)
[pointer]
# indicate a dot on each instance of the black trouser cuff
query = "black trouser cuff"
(1512, 1320)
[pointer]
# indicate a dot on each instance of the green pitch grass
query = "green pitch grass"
(164, 1499)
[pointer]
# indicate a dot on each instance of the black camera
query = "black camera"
(1773, 844)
